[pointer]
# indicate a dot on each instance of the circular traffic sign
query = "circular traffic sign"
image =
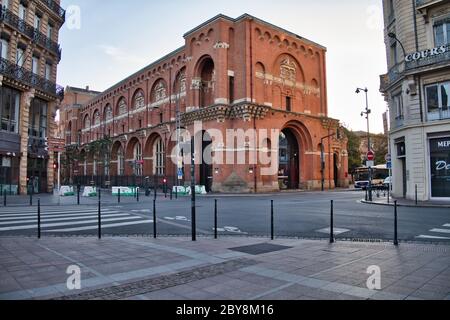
(370, 156)
(388, 158)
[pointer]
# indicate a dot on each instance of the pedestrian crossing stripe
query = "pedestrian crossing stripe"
(33, 216)
(440, 230)
(49, 225)
(114, 225)
(437, 230)
(432, 237)
(90, 216)
(45, 211)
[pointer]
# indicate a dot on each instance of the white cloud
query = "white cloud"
(120, 55)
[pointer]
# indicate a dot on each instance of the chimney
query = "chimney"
(87, 88)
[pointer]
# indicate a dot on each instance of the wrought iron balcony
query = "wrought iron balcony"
(56, 8)
(36, 36)
(11, 70)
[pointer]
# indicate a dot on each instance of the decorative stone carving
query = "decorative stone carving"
(108, 113)
(139, 101)
(196, 84)
(221, 45)
(122, 107)
(288, 70)
(159, 92)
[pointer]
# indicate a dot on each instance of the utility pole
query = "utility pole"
(366, 113)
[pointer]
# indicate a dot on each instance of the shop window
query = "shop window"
(9, 109)
(440, 167)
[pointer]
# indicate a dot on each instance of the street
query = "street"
(304, 215)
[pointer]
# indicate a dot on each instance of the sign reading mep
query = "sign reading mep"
(440, 167)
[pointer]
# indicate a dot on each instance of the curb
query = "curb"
(405, 205)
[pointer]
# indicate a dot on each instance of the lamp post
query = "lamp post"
(366, 113)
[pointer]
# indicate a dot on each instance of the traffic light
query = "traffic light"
(55, 165)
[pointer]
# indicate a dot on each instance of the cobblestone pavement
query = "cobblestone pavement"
(142, 268)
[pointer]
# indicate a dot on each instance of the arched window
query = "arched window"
(137, 155)
(122, 107)
(87, 122)
(96, 118)
(108, 113)
(159, 91)
(139, 101)
(159, 159)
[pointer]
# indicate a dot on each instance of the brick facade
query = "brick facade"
(239, 73)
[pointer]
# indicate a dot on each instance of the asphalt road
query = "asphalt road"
(298, 215)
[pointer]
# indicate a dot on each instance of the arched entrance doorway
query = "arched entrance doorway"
(289, 161)
(206, 170)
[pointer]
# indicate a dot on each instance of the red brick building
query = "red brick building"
(235, 74)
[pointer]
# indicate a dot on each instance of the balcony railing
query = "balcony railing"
(55, 7)
(440, 114)
(25, 76)
(36, 36)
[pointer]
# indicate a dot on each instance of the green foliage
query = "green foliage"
(354, 155)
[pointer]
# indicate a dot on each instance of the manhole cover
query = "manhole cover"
(260, 248)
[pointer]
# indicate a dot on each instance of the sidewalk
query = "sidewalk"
(228, 268)
(407, 203)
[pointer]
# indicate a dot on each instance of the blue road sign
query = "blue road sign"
(389, 165)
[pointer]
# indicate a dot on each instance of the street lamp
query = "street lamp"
(369, 147)
(394, 36)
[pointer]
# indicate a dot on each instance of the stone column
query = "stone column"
(25, 103)
(51, 131)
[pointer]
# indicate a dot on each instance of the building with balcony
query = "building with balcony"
(238, 74)
(29, 95)
(417, 89)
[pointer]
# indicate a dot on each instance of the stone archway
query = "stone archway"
(117, 159)
(205, 81)
(289, 160)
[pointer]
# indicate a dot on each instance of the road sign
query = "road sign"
(370, 163)
(388, 158)
(370, 156)
(389, 165)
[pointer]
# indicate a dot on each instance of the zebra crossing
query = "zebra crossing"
(65, 219)
(440, 233)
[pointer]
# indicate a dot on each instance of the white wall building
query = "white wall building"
(417, 89)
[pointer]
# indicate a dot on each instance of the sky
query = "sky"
(105, 41)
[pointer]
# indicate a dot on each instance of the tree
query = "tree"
(380, 146)
(354, 155)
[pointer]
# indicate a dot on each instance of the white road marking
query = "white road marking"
(447, 225)
(90, 216)
(115, 225)
(432, 237)
(34, 216)
(65, 224)
(336, 231)
(440, 230)
(44, 212)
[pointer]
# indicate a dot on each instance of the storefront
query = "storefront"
(440, 167)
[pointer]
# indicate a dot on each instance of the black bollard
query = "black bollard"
(31, 196)
(99, 219)
(99, 194)
(154, 191)
(171, 194)
(4, 198)
(215, 219)
(366, 195)
(416, 196)
(395, 224)
(272, 233)
(332, 222)
(137, 194)
(176, 193)
(39, 218)
(165, 191)
(78, 194)
(118, 196)
(154, 219)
